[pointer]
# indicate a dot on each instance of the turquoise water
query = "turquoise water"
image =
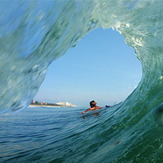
(34, 33)
(62, 135)
(46, 134)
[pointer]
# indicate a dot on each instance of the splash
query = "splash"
(34, 33)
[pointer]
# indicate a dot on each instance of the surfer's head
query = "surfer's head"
(92, 103)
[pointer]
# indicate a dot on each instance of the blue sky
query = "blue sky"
(101, 67)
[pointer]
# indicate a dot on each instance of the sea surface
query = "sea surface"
(45, 134)
(61, 134)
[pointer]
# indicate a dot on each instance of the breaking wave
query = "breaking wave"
(34, 33)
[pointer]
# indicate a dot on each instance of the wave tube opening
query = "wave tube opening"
(41, 33)
(101, 66)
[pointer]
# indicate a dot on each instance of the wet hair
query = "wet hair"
(91, 103)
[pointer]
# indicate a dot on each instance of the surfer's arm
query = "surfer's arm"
(94, 108)
(86, 111)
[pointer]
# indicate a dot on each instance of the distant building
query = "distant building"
(66, 104)
(52, 104)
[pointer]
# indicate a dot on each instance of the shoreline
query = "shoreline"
(33, 105)
(43, 106)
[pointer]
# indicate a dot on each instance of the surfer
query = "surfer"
(92, 106)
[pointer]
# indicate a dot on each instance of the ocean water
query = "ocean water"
(48, 134)
(61, 134)
(35, 33)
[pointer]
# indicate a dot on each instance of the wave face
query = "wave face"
(34, 33)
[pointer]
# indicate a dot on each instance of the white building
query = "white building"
(66, 104)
